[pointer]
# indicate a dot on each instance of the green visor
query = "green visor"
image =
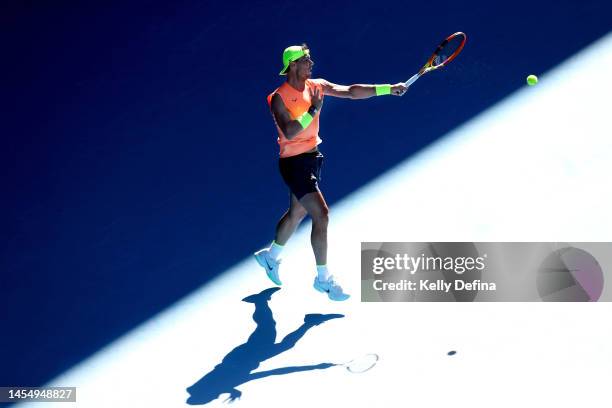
(291, 54)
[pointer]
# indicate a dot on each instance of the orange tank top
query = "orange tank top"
(297, 103)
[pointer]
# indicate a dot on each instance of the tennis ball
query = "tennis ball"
(532, 80)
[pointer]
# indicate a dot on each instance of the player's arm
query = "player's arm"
(291, 127)
(361, 91)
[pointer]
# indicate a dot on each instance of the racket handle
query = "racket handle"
(411, 80)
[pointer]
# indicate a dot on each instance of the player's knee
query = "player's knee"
(297, 214)
(321, 216)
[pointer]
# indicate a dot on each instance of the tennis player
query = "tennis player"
(296, 107)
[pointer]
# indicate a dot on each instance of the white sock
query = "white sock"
(323, 273)
(275, 250)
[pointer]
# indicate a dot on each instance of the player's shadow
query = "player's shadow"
(238, 365)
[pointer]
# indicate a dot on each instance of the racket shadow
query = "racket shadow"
(238, 365)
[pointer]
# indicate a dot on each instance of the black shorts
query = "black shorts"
(302, 173)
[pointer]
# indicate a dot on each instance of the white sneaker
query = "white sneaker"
(269, 264)
(332, 288)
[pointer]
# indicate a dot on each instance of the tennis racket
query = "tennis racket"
(445, 53)
(360, 364)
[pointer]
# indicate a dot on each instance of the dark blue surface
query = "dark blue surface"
(138, 154)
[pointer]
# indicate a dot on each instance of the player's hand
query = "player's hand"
(316, 99)
(398, 89)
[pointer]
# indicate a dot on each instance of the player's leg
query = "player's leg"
(317, 208)
(268, 258)
(289, 221)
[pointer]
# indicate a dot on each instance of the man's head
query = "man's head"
(297, 62)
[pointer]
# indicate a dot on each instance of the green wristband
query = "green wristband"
(383, 90)
(305, 120)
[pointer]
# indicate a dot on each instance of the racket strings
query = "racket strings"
(447, 50)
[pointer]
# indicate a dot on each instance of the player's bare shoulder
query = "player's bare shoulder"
(324, 84)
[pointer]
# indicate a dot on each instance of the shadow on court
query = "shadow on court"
(237, 366)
